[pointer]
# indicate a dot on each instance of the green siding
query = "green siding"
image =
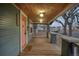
(9, 32)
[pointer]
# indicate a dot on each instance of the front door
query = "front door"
(23, 31)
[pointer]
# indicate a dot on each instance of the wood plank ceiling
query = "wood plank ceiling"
(50, 10)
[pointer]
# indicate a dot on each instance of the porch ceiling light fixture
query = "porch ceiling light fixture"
(41, 20)
(41, 15)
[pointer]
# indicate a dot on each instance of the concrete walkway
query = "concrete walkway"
(41, 47)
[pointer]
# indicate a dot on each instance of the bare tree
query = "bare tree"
(63, 25)
(69, 17)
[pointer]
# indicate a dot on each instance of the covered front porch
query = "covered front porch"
(50, 29)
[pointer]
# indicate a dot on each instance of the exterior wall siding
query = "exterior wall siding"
(9, 31)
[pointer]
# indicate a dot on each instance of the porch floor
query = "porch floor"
(41, 46)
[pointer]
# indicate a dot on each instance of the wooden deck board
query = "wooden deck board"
(41, 47)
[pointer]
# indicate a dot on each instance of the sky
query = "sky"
(55, 24)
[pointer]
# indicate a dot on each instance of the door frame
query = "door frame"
(21, 13)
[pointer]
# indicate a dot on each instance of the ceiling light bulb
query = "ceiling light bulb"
(41, 15)
(41, 20)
